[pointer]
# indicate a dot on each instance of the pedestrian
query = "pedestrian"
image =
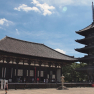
(6, 88)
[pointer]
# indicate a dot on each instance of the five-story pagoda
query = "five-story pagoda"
(88, 41)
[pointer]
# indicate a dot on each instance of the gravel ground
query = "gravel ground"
(81, 90)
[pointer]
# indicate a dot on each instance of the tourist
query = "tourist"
(6, 87)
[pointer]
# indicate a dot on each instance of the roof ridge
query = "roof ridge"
(22, 40)
(90, 25)
(47, 51)
(3, 38)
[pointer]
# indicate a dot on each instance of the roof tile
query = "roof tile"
(29, 48)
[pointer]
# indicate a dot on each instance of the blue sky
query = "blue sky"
(51, 22)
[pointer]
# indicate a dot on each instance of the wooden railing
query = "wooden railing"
(45, 85)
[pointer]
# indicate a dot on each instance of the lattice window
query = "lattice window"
(20, 72)
(41, 73)
(47, 75)
(38, 74)
(31, 72)
(53, 76)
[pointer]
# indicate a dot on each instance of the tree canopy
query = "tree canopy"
(73, 76)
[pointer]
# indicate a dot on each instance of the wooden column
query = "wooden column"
(61, 68)
(23, 73)
(35, 74)
(35, 71)
(13, 71)
(1, 71)
(17, 62)
(39, 69)
(88, 78)
(56, 73)
(3, 68)
(29, 62)
(7, 68)
(49, 72)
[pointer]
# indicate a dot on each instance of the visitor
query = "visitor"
(6, 88)
(37, 80)
(24, 80)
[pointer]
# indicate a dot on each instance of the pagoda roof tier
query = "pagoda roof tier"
(85, 41)
(87, 68)
(16, 46)
(86, 58)
(86, 49)
(87, 30)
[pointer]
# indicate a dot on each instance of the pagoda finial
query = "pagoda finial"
(92, 11)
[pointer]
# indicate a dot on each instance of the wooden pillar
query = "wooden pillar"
(29, 62)
(1, 71)
(3, 68)
(49, 72)
(7, 68)
(35, 71)
(23, 73)
(56, 73)
(88, 78)
(61, 68)
(35, 74)
(17, 62)
(40, 70)
(13, 72)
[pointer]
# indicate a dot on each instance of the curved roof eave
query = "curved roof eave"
(17, 46)
(85, 29)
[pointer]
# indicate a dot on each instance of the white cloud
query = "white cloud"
(26, 8)
(17, 32)
(2, 21)
(61, 51)
(5, 22)
(45, 8)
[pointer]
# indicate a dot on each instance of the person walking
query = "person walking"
(6, 88)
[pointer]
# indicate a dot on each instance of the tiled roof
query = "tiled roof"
(13, 45)
(86, 58)
(86, 28)
(85, 40)
(86, 68)
(85, 48)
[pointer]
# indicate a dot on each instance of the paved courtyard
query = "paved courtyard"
(86, 90)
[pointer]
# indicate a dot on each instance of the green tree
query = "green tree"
(72, 75)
